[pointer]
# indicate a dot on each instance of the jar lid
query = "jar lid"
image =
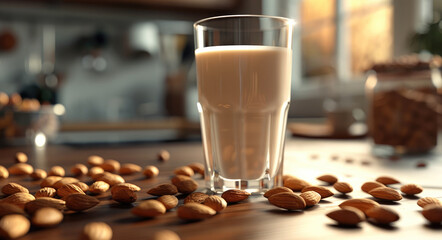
(406, 64)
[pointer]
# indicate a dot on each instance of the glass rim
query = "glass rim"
(286, 21)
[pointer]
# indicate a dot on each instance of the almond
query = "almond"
(129, 168)
(311, 198)
(343, 187)
(21, 157)
(286, 200)
(99, 187)
(433, 213)
(347, 216)
(80, 202)
(323, 191)
(386, 193)
(163, 156)
(165, 235)
(96, 231)
(169, 201)
(50, 181)
(184, 170)
(63, 181)
(110, 165)
(57, 171)
(411, 189)
(275, 190)
(12, 188)
(328, 178)
(95, 171)
(382, 215)
(110, 178)
(387, 180)
(197, 197)
(3, 172)
(235, 195)
(20, 169)
(14, 226)
(195, 211)
(151, 171)
(83, 186)
(19, 199)
(295, 184)
(197, 168)
(45, 192)
(47, 217)
(217, 203)
(8, 208)
(38, 174)
(95, 160)
(79, 169)
(149, 208)
(427, 201)
(124, 196)
(130, 186)
(163, 189)
(42, 202)
(362, 204)
(368, 186)
(69, 189)
(184, 184)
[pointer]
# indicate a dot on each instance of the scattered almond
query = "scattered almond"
(83, 186)
(328, 178)
(8, 208)
(347, 216)
(151, 171)
(311, 198)
(57, 171)
(3, 172)
(149, 208)
(50, 181)
(38, 174)
(197, 197)
(184, 184)
(110, 178)
(42, 202)
(21, 157)
(163, 156)
(343, 187)
(275, 190)
(217, 203)
(95, 160)
(79, 169)
(19, 199)
(80, 202)
(96, 231)
(63, 181)
(14, 226)
(195, 211)
(368, 186)
(20, 169)
(95, 171)
(323, 191)
(382, 215)
(386, 193)
(163, 189)
(362, 204)
(235, 195)
(47, 217)
(184, 170)
(387, 180)
(169, 201)
(295, 184)
(124, 196)
(69, 189)
(286, 200)
(110, 165)
(45, 192)
(433, 213)
(130, 186)
(12, 188)
(427, 201)
(411, 189)
(197, 168)
(99, 187)
(129, 168)
(165, 235)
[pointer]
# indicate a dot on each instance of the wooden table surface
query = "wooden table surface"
(254, 218)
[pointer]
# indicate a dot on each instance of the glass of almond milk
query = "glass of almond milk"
(244, 73)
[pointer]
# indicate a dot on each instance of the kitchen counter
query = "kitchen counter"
(255, 218)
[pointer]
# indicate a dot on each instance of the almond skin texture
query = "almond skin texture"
(411, 189)
(83, 186)
(165, 235)
(57, 171)
(130, 186)
(124, 196)
(8, 208)
(163, 189)
(14, 226)
(95, 171)
(276, 190)
(129, 168)
(217, 203)
(50, 181)
(38, 174)
(79, 169)
(96, 231)
(328, 178)
(387, 180)
(110, 178)
(12, 188)
(20, 169)
(323, 191)
(386, 193)
(235, 195)
(63, 181)
(19, 199)
(110, 165)
(3, 172)
(343, 187)
(368, 186)
(42, 202)
(184, 170)
(197, 168)
(21, 157)
(295, 184)
(47, 217)
(433, 213)
(95, 160)
(286, 200)
(383, 215)
(427, 201)
(150, 171)
(99, 187)
(149, 208)
(362, 204)
(195, 211)
(311, 198)
(81, 202)
(169, 201)
(184, 184)
(197, 197)
(69, 189)
(46, 192)
(163, 156)
(347, 216)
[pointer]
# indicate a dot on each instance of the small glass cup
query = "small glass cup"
(244, 77)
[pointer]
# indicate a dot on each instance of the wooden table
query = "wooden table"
(255, 218)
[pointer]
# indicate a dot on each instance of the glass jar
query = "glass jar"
(402, 108)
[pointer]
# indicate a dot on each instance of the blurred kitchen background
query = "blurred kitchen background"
(123, 70)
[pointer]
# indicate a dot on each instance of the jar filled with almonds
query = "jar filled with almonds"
(403, 105)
